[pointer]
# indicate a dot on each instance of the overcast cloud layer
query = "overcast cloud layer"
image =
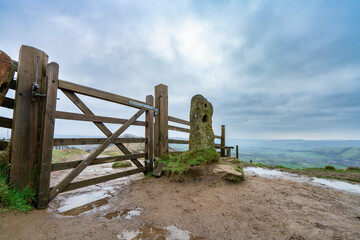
(272, 69)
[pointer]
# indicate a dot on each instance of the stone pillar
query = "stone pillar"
(201, 132)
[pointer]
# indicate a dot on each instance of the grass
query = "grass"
(63, 155)
(121, 164)
(11, 197)
(179, 164)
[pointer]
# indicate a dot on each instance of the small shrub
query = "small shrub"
(10, 197)
(121, 164)
(353, 169)
(329, 167)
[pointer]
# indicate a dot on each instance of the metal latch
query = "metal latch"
(156, 111)
(35, 85)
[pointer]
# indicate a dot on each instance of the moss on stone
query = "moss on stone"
(179, 164)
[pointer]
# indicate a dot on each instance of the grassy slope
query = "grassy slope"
(340, 157)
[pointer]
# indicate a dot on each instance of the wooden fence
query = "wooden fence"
(34, 118)
(163, 125)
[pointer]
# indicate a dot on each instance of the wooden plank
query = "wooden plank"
(178, 141)
(5, 122)
(178, 129)
(92, 92)
(217, 146)
(25, 132)
(46, 140)
(228, 152)
(89, 182)
(77, 101)
(90, 141)
(12, 85)
(149, 134)
(92, 118)
(76, 171)
(178, 120)
(237, 151)
(96, 161)
(8, 103)
(161, 120)
(218, 137)
(222, 154)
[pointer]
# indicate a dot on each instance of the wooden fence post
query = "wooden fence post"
(149, 134)
(237, 152)
(27, 114)
(161, 120)
(222, 151)
(47, 135)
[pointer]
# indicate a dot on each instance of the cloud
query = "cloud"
(284, 69)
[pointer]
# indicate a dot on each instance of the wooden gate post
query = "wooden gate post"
(47, 135)
(222, 151)
(237, 151)
(149, 135)
(161, 120)
(27, 114)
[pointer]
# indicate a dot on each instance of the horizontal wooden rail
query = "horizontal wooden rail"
(92, 118)
(88, 182)
(100, 160)
(222, 147)
(92, 92)
(179, 129)
(12, 85)
(178, 141)
(216, 136)
(8, 103)
(89, 141)
(5, 122)
(178, 120)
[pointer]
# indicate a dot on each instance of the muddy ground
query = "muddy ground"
(197, 207)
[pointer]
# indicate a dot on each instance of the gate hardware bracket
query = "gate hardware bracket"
(156, 111)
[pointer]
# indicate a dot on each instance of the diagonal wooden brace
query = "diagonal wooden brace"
(76, 171)
(81, 105)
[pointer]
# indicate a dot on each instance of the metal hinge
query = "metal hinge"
(156, 111)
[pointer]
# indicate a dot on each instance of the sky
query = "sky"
(272, 69)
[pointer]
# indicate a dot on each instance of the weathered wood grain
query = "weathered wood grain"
(161, 120)
(47, 135)
(178, 120)
(25, 132)
(76, 171)
(90, 141)
(96, 161)
(178, 129)
(92, 92)
(92, 118)
(149, 134)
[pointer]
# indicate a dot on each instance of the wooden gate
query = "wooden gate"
(33, 129)
(33, 122)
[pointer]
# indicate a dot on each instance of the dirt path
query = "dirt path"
(202, 207)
